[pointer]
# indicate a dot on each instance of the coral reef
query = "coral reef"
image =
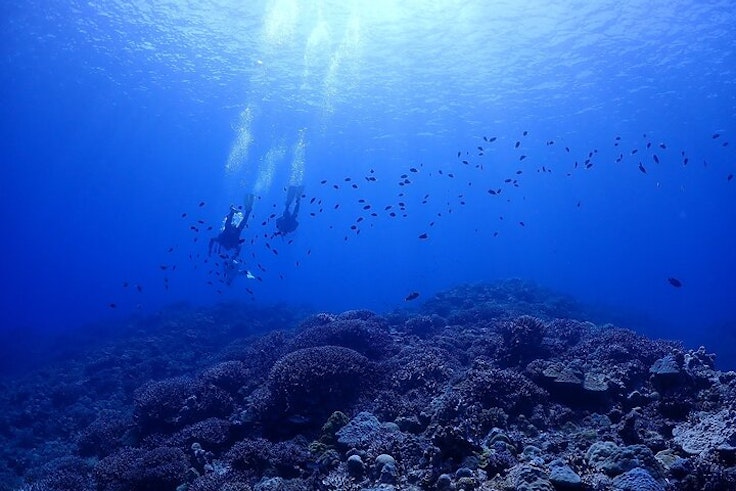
(488, 387)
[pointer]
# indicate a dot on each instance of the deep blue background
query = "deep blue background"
(116, 120)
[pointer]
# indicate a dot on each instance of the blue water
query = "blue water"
(118, 117)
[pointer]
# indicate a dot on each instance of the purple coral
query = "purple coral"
(104, 435)
(145, 470)
(228, 375)
(522, 341)
(258, 456)
(309, 384)
(493, 387)
(173, 403)
(362, 331)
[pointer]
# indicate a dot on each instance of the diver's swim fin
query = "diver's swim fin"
(248, 201)
(294, 193)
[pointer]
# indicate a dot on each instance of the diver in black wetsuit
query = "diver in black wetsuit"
(287, 222)
(229, 236)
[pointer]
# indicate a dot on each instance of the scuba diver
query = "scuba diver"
(229, 236)
(233, 267)
(287, 223)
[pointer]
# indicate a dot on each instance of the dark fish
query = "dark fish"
(522, 157)
(113, 305)
(183, 215)
(201, 204)
(164, 267)
(125, 284)
(674, 282)
(323, 181)
(567, 149)
(139, 288)
(449, 174)
(491, 191)
(730, 177)
(412, 296)
(480, 149)
(466, 162)
(525, 133)
(336, 186)
(634, 151)
(655, 158)
(171, 249)
(662, 146)
(347, 179)
(716, 135)
(516, 145)
(355, 186)
(413, 169)
(522, 224)
(519, 172)
(492, 139)
(423, 236)
(458, 154)
(641, 168)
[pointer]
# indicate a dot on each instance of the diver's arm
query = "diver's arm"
(230, 215)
